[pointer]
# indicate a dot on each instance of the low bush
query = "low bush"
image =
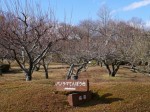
(5, 67)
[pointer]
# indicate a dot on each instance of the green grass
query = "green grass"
(127, 92)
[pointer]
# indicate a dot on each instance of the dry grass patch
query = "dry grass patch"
(127, 92)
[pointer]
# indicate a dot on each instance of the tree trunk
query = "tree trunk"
(29, 72)
(115, 67)
(37, 67)
(0, 72)
(45, 69)
(98, 63)
(133, 67)
(108, 68)
(70, 71)
(113, 74)
(101, 64)
(28, 77)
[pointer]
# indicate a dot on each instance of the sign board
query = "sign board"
(72, 85)
(75, 99)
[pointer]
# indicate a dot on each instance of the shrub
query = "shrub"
(5, 67)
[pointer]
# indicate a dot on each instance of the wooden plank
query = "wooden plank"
(72, 85)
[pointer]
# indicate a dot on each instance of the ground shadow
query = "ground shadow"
(12, 71)
(127, 77)
(104, 99)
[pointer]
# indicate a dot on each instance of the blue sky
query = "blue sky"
(77, 10)
(87, 9)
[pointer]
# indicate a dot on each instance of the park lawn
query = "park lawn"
(127, 92)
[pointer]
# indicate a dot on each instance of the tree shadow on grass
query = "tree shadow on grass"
(13, 71)
(128, 77)
(104, 99)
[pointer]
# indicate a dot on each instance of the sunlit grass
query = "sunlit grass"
(127, 92)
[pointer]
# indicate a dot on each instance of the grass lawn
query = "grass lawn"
(127, 92)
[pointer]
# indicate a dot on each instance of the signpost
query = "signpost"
(72, 85)
(79, 88)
